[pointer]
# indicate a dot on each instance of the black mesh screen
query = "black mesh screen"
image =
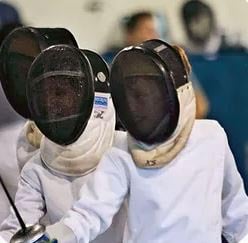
(144, 96)
(17, 54)
(56, 96)
(60, 93)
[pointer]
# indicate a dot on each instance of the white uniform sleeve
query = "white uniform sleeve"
(29, 201)
(101, 198)
(2, 240)
(234, 203)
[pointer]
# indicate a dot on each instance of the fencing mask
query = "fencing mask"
(17, 53)
(76, 136)
(60, 93)
(154, 100)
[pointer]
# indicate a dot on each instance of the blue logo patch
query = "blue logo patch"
(101, 101)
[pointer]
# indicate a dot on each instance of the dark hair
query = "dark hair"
(130, 22)
(195, 8)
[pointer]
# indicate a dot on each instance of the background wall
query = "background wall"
(94, 22)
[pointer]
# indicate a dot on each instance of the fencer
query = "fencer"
(78, 126)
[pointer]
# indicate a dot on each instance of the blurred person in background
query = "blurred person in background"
(222, 71)
(200, 26)
(10, 122)
(202, 31)
(137, 27)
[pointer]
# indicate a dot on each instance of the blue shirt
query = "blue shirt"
(223, 78)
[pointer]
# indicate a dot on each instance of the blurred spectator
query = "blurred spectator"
(137, 27)
(203, 33)
(8, 14)
(9, 20)
(140, 27)
(222, 70)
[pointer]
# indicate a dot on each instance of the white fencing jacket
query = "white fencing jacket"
(43, 193)
(197, 197)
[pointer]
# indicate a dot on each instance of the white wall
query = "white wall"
(95, 29)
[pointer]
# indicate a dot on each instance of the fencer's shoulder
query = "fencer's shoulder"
(210, 125)
(118, 161)
(32, 173)
(205, 128)
(34, 165)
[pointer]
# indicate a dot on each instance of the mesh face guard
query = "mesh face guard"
(144, 82)
(17, 54)
(60, 93)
